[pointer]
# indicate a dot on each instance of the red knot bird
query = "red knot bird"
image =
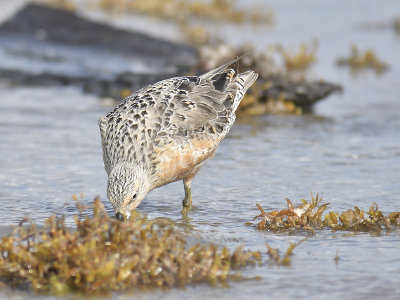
(164, 132)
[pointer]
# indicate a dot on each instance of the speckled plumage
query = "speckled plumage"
(165, 131)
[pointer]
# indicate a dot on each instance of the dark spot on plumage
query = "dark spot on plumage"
(143, 122)
(168, 113)
(130, 139)
(193, 79)
(152, 102)
(119, 120)
(219, 127)
(200, 129)
(185, 132)
(221, 81)
(211, 129)
(180, 98)
(181, 133)
(228, 101)
(158, 126)
(185, 85)
(143, 105)
(144, 113)
(135, 126)
(136, 117)
(182, 93)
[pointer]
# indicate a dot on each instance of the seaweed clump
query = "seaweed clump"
(300, 60)
(285, 259)
(182, 10)
(309, 216)
(358, 61)
(103, 254)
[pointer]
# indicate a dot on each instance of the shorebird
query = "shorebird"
(164, 132)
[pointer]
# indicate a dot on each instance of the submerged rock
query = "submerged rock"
(44, 45)
(302, 94)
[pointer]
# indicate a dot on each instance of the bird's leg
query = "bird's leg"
(187, 201)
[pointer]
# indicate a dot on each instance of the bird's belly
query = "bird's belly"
(179, 161)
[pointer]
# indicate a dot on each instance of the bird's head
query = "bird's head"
(126, 189)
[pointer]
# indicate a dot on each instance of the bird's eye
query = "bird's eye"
(134, 196)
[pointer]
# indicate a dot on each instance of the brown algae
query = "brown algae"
(285, 260)
(302, 59)
(309, 217)
(103, 254)
(359, 61)
(182, 10)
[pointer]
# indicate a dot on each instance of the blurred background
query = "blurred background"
(322, 118)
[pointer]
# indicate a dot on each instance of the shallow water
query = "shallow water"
(348, 151)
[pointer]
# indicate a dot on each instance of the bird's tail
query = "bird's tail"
(227, 80)
(234, 64)
(238, 87)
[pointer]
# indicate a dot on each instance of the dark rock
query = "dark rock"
(44, 45)
(302, 94)
(67, 28)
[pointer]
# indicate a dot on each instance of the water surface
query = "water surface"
(348, 151)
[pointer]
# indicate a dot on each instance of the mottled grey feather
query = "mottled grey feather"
(173, 111)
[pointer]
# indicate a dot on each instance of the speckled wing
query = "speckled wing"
(204, 107)
(196, 108)
(129, 130)
(199, 114)
(173, 111)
